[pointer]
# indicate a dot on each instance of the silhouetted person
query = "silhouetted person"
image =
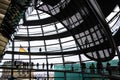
(103, 36)
(83, 66)
(51, 65)
(86, 42)
(40, 49)
(27, 64)
(17, 65)
(108, 68)
(24, 65)
(92, 68)
(43, 65)
(99, 67)
(72, 67)
(119, 66)
(37, 65)
(32, 65)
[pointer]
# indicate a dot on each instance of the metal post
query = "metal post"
(12, 62)
(118, 52)
(29, 66)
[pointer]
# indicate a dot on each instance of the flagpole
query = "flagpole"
(21, 49)
(19, 54)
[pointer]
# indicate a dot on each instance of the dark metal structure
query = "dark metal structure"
(61, 30)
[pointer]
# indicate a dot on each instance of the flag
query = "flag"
(22, 49)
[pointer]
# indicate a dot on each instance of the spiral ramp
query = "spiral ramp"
(93, 14)
(4, 4)
(11, 11)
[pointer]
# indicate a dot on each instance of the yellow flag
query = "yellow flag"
(22, 49)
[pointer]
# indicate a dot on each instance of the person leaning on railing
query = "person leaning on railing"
(108, 68)
(119, 66)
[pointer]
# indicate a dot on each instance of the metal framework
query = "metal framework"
(59, 32)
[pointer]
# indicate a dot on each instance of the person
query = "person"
(51, 65)
(83, 66)
(119, 66)
(99, 67)
(40, 49)
(37, 65)
(72, 67)
(86, 42)
(93, 68)
(27, 64)
(43, 65)
(108, 68)
(24, 65)
(32, 65)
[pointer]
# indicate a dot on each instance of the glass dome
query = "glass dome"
(49, 37)
(64, 33)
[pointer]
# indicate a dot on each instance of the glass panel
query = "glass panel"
(55, 41)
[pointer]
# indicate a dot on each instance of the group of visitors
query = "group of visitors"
(43, 65)
(92, 67)
(20, 64)
(98, 68)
